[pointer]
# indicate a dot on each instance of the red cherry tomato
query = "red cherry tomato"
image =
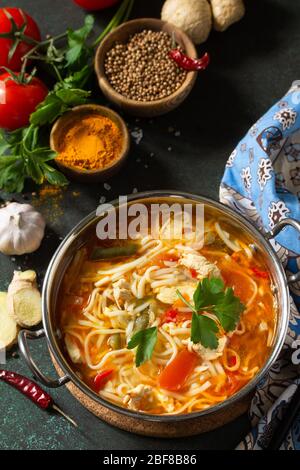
(18, 101)
(96, 4)
(31, 31)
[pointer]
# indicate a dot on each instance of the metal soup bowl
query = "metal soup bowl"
(140, 422)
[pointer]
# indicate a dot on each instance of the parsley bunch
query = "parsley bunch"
(211, 296)
(22, 152)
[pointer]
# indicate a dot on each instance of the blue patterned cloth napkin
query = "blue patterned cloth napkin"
(262, 181)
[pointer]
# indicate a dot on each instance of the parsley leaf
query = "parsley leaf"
(79, 78)
(208, 292)
(56, 103)
(72, 96)
(211, 296)
(12, 175)
(53, 176)
(228, 310)
(145, 341)
(204, 331)
(48, 110)
(78, 51)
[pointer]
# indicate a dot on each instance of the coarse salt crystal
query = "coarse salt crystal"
(107, 186)
(102, 199)
(137, 135)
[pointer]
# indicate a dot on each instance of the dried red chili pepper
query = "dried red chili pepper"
(187, 63)
(33, 391)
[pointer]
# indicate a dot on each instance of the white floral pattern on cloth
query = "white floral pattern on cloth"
(277, 212)
(264, 172)
(246, 177)
(253, 130)
(273, 174)
(286, 117)
(230, 161)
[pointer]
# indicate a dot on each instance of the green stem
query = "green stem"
(30, 54)
(53, 38)
(25, 38)
(24, 140)
(128, 12)
(116, 19)
(185, 301)
(38, 45)
(57, 73)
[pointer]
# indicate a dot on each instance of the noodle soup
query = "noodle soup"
(168, 326)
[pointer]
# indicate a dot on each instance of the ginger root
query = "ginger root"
(226, 12)
(24, 299)
(8, 327)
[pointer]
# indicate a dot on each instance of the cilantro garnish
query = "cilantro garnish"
(211, 296)
(145, 341)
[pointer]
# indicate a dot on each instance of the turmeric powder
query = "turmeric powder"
(93, 142)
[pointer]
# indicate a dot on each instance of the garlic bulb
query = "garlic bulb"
(192, 16)
(226, 12)
(22, 229)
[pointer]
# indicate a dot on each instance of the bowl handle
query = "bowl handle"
(277, 229)
(23, 337)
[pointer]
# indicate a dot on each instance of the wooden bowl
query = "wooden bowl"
(64, 122)
(144, 108)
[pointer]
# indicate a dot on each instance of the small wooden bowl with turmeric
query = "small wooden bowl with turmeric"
(91, 141)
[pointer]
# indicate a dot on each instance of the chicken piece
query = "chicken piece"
(208, 354)
(139, 398)
(121, 290)
(73, 349)
(143, 398)
(263, 326)
(166, 402)
(168, 295)
(200, 264)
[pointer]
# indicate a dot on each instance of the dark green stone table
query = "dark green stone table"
(252, 65)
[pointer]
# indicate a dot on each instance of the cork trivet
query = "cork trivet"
(188, 427)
